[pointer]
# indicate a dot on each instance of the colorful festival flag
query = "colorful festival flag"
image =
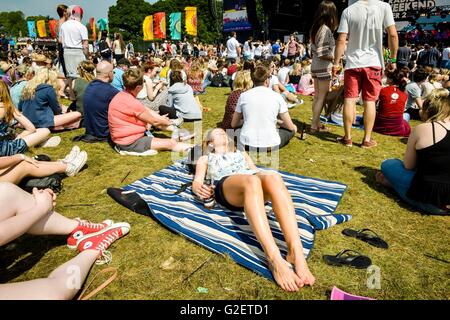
(93, 28)
(41, 28)
(32, 29)
(191, 21)
(147, 28)
(159, 28)
(175, 26)
(103, 24)
(52, 27)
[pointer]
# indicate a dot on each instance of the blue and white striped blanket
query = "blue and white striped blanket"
(226, 232)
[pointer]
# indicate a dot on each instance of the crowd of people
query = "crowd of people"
(122, 97)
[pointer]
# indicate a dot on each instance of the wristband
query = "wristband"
(391, 60)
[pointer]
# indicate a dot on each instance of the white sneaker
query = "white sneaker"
(77, 164)
(291, 105)
(300, 102)
(177, 122)
(72, 155)
(51, 142)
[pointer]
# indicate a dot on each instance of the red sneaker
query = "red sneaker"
(345, 142)
(85, 228)
(103, 240)
(369, 144)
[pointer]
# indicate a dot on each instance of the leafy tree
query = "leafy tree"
(13, 23)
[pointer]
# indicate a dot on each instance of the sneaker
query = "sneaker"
(291, 105)
(369, 144)
(72, 155)
(85, 228)
(77, 164)
(177, 122)
(103, 240)
(51, 142)
(345, 142)
(300, 102)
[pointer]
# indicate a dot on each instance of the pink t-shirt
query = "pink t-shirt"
(124, 126)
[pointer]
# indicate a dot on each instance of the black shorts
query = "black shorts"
(220, 197)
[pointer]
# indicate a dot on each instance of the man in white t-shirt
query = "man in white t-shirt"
(74, 39)
(364, 22)
(260, 108)
(233, 48)
(445, 64)
(283, 73)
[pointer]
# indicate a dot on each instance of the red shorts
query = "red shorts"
(367, 80)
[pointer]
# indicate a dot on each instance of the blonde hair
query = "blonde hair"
(243, 81)
(206, 149)
(5, 98)
(295, 67)
(86, 69)
(43, 76)
(437, 107)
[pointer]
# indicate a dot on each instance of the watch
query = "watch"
(391, 60)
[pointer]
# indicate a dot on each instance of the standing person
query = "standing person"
(130, 49)
(403, 55)
(434, 56)
(5, 47)
(445, 64)
(75, 41)
(233, 48)
(293, 48)
(104, 46)
(363, 23)
(323, 45)
(248, 49)
(63, 16)
(118, 47)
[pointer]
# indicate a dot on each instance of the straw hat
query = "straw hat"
(39, 58)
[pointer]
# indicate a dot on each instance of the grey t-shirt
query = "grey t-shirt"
(365, 22)
(414, 92)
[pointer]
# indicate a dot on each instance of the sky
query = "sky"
(92, 8)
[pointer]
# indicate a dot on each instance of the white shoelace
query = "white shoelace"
(87, 224)
(106, 256)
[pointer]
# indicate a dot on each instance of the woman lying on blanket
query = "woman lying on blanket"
(240, 186)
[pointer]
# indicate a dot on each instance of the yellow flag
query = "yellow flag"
(41, 28)
(191, 21)
(148, 28)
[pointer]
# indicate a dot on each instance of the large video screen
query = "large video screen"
(235, 16)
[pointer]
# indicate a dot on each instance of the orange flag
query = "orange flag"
(52, 27)
(159, 29)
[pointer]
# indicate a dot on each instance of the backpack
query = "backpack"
(218, 81)
(103, 47)
(53, 182)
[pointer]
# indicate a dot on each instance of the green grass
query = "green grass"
(405, 272)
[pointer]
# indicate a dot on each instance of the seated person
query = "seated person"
(295, 75)
(391, 105)
(97, 97)
(41, 106)
(276, 86)
(122, 66)
(242, 83)
(21, 212)
(86, 71)
(414, 105)
(154, 94)
(260, 109)
(10, 143)
(306, 85)
(240, 186)
(423, 178)
(22, 71)
(129, 120)
(15, 168)
(181, 98)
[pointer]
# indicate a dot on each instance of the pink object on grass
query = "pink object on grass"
(338, 294)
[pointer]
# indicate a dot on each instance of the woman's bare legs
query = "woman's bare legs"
(16, 173)
(321, 89)
(36, 138)
(62, 284)
(169, 145)
(275, 190)
(246, 191)
(70, 120)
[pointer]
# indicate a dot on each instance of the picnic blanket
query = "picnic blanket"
(337, 120)
(226, 232)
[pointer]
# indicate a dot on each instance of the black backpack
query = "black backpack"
(103, 47)
(218, 80)
(53, 182)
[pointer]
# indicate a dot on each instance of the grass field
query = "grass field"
(406, 273)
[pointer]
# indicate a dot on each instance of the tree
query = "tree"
(127, 17)
(13, 23)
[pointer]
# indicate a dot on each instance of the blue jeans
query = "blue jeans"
(401, 179)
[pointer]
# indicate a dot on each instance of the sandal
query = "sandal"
(321, 129)
(346, 258)
(368, 236)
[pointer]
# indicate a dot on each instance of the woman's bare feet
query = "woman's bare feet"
(284, 276)
(301, 268)
(379, 177)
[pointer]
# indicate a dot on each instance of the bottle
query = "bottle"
(210, 202)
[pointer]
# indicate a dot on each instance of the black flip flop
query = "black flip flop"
(368, 236)
(346, 258)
